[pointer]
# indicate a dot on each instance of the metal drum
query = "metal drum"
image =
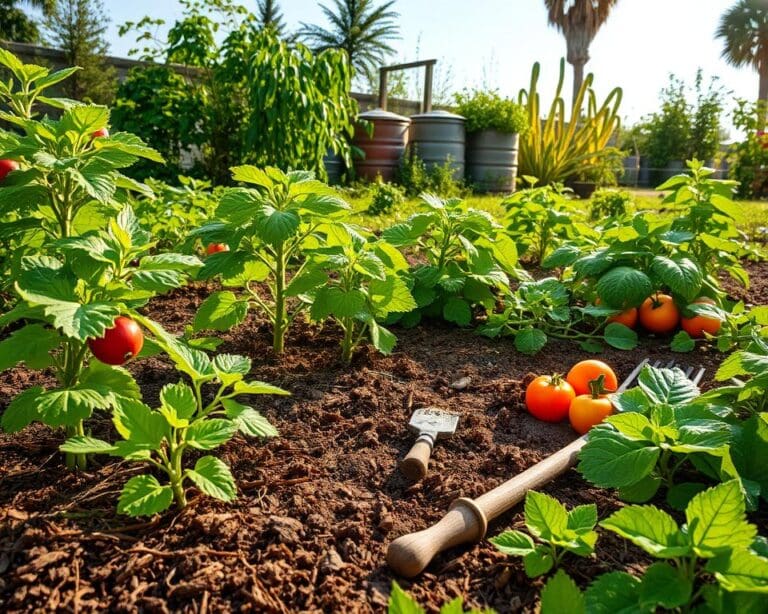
(492, 161)
(385, 148)
(334, 166)
(438, 137)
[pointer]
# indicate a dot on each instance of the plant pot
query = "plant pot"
(492, 161)
(583, 189)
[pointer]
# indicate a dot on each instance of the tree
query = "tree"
(269, 15)
(78, 28)
(744, 30)
(358, 27)
(16, 25)
(579, 21)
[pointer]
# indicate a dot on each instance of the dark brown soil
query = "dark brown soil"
(319, 504)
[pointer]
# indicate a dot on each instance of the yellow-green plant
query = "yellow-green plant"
(557, 147)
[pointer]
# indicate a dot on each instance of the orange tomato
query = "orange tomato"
(586, 411)
(698, 325)
(659, 314)
(215, 248)
(549, 398)
(588, 370)
(628, 317)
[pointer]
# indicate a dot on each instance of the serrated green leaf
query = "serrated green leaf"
(248, 420)
(741, 570)
(513, 543)
(22, 410)
(143, 495)
(717, 520)
(545, 516)
(31, 345)
(632, 425)
(86, 445)
(137, 423)
(610, 460)
(560, 594)
(213, 477)
(381, 338)
(210, 433)
(651, 529)
(616, 592)
(457, 310)
(391, 296)
(256, 387)
(667, 386)
(623, 287)
(306, 281)
(220, 311)
(620, 336)
(681, 275)
(663, 585)
(178, 404)
(538, 562)
(401, 602)
(641, 491)
(68, 406)
(582, 518)
(530, 340)
(682, 342)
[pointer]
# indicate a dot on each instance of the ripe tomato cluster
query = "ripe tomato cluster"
(659, 314)
(580, 397)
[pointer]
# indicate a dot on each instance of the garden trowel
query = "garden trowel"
(431, 424)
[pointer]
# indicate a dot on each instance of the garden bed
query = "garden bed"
(318, 505)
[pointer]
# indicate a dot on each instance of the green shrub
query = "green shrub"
(749, 158)
(489, 111)
(415, 177)
(385, 197)
(610, 204)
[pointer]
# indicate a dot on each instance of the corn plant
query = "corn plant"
(267, 227)
(560, 146)
(160, 437)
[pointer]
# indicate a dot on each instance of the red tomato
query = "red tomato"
(698, 325)
(549, 397)
(659, 314)
(587, 410)
(588, 370)
(6, 166)
(100, 133)
(215, 248)
(119, 343)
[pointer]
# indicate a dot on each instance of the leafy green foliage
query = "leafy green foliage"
(385, 197)
(401, 602)
(160, 437)
(362, 287)
(417, 177)
(468, 259)
(607, 204)
(748, 158)
(557, 530)
(268, 228)
(489, 111)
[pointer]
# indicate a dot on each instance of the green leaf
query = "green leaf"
(545, 516)
(681, 275)
(31, 345)
(457, 310)
(632, 400)
(337, 302)
(538, 562)
(86, 445)
(610, 460)
(248, 420)
(582, 518)
(682, 342)
(667, 386)
(717, 520)
(680, 495)
(22, 410)
(220, 311)
(641, 491)
(143, 495)
(651, 529)
(620, 336)
(401, 602)
(391, 296)
(663, 585)
(623, 287)
(214, 478)
(633, 426)
(381, 338)
(308, 280)
(178, 404)
(530, 340)
(67, 406)
(741, 570)
(560, 594)
(616, 592)
(210, 433)
(256, 387)
(75, 319)
(231, 368)
(275, 226)
(750, 451)
(137, 423)
(513, 543)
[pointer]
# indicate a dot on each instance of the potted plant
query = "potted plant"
(600, 172)
(493, 127)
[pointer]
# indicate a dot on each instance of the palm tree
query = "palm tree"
(744, 28)
(358, 27)
(579, 21)
(268, 15)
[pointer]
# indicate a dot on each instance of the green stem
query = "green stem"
(176, 473)
(347, 345)
(278, 341)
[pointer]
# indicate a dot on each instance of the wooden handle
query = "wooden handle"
(467, 520)
(414, 465)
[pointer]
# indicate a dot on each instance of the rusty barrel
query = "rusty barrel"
(384, 148)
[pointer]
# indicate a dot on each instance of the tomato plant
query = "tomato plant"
(659, 314)
(269, 227)
(583, 373)
(160, 437)
(118, 344)
(548, 398)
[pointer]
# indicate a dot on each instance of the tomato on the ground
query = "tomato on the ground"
(215, 248)
(698, 324)
(659, 314)
(586, 411)
(548, 398)
(120, 343)
(587, 370)
(6, 166)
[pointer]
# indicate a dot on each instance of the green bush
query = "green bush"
(610, 204)
(748, 158)
(489, 111)
(385, 197)
(415, 177)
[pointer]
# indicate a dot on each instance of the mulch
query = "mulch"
(318, 505)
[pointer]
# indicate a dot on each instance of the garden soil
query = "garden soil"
(318, 505)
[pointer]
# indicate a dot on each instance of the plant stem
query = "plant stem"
(278, 341)
(347, 345)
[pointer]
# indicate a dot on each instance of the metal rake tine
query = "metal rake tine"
(688, 371)
(656, 364)
(699, 375)
(632, 376)
(670, 365)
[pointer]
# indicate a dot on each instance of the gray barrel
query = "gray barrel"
(631, 174)
(492, 161)
(334, 166)
(438, 137)
(385, 148)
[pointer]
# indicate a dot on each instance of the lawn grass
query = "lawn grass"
(754, 224)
